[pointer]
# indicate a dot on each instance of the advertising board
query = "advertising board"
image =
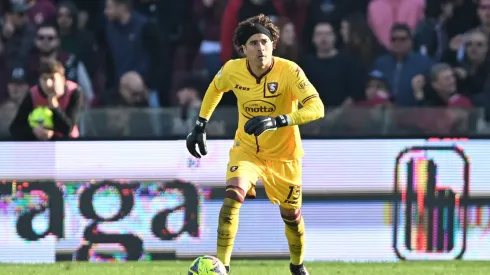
(376, 200)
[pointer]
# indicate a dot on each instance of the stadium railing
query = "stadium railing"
(341, 122)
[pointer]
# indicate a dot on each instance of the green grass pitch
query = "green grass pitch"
(253, 267)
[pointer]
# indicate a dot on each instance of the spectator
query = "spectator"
(17, 86)
(17, 34)
(209, 14)
(132, 92)
(430, 36)
(401, 65)
(288, 43)
(7, 111)
(132, 43)
(42, 12)
(474, 70)
(359, 41)
(74, 40)
(64, 99)
(457, 43)
(174, 18)
(377, 91)
(442, 89)
(383, 14)
(239, 10)
(367, 114)
(331, 72)
(441, 92)
(332, 11)
(47, 47)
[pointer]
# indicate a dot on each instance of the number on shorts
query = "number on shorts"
(294, 194)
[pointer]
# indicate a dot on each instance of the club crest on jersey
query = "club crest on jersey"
(272, 87)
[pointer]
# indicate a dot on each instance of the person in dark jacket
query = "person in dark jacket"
(17, 34)
(132, 42)
(430, 37)
(339, 78)
(47, 47)
(447, 107)
(401, 64)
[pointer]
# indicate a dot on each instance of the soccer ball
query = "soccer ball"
(41, 116)
(207, 265)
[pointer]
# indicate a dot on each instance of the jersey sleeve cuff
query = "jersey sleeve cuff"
(283, 120)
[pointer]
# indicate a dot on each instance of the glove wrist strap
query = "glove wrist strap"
(283, 120)
(201, 124)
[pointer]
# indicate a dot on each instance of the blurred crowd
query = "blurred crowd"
(163, 53)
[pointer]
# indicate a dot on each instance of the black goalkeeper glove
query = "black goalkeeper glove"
(259, 124)
(198, 138)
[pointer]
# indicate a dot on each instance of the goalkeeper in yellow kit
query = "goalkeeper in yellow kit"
(267, 144)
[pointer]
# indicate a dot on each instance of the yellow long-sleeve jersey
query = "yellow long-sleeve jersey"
(277, 92)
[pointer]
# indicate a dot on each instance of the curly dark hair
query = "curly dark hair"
(258, 19)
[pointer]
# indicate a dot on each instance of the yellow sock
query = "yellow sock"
(228, 223)
(295, 233)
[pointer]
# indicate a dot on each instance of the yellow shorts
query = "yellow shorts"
(282, 179)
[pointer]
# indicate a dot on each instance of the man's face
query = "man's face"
(258, 50)
(64, 18)
(445, 82)
(47, 40)
(324, 37)
(484, 12)
(401, 42)
(477, 47)
(17, 91)
(112, 10)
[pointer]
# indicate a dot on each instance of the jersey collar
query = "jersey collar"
(259, 78)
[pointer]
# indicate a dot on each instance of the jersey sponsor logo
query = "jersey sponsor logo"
(303, 84)
(233, 168)
(239, 87)
(259, 108)
(298, 70)
(272, 87)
